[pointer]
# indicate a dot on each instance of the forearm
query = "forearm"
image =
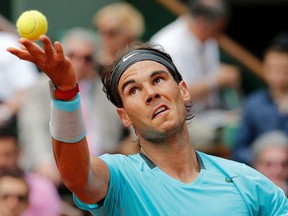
(73, 162)
(69, 143)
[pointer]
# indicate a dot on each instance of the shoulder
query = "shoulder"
(118, 161)
(231, 168)
(168, 34)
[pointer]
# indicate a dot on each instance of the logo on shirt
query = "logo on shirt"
(230, 179)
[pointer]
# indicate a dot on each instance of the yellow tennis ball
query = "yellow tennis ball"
(31, 24)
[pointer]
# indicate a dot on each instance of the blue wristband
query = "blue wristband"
(68, 106)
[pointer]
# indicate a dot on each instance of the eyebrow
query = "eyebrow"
(154, 73)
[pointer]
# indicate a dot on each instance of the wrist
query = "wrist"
(63, 95)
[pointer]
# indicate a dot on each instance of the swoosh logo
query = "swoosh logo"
(230, 179)
(126, 58)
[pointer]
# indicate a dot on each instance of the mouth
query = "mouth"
(159, 110)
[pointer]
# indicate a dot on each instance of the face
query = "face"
(13, 196)
(215, 27)
(273, 163)
(276, 71)
(152, 101)
(113, 36)
(9, 153)
(206, 28)
(81, 55)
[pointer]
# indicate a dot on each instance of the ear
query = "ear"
(184, 90)
(124, 117)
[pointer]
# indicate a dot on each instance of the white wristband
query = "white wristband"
(67, 124)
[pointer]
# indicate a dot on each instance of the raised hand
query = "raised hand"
(50, 59)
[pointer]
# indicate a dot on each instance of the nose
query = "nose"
(151, 95)
(13, 202)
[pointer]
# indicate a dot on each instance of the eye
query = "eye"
(133, 91)
(157, 80)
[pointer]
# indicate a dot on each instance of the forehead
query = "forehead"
(276, 56)
(8, 143)
(10, 184)
(79, 45)
(142, 69)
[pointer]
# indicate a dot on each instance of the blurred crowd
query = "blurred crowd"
(258, 122)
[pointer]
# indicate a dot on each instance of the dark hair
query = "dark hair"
(211, 10)
(8, 131)
(106, 75)
(278, 44)
(12, 172)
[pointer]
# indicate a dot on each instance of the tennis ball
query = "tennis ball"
(31, 24)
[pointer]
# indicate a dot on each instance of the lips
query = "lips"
(159, 110)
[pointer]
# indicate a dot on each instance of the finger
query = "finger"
(59, 51)
(48, 48)
(24, 55)
(28, 44)
(31, 51)
(23, 47)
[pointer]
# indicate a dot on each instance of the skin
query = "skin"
(273, 163)
(113, 37)
(13, 187)
(9, 153)
(77, 50)
(144, 88)
(276, 73)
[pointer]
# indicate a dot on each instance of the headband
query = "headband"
(136, 56)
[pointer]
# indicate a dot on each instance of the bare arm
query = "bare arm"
(88, 179)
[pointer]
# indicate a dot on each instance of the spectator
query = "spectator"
(191, 41)
(43, 197)
(118, 24)
(14, 192)
(267, 109)
(270, 157)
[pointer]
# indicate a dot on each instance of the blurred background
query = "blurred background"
(251, 28)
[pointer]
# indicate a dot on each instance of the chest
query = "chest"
(161, 195)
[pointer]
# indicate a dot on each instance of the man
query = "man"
(168, 177)
(270, 157)
(14, 192)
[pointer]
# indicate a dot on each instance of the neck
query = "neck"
(176, 157)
